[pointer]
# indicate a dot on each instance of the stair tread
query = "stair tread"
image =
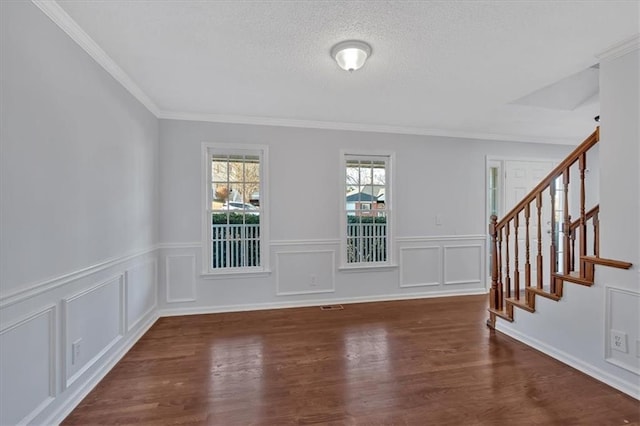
(520, 303)
(574, 279)
(502, 314)
(544, 293)
(597, 260)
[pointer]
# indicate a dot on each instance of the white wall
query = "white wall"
(577, 330)
(433, 175)
(620, 222)
(90, 183)
(78, 201)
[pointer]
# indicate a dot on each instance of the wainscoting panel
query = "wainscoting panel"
(622, 330)
(444, 265)
(180, 278)
(140, 290)
(308, 273)
(463, 264)
(92, 323)
(60, 336)
(305, 272)
(420, 266)
(28, 367)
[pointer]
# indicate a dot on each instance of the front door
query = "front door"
(520, 177)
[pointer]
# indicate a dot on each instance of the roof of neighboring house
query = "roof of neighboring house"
(360, 196)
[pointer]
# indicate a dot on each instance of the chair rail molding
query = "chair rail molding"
(37, 288)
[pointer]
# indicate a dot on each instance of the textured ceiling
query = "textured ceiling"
(453, 66)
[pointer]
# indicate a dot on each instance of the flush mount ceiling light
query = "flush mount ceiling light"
(351, 54)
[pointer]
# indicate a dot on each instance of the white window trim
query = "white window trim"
(205, 179)
(390, 178)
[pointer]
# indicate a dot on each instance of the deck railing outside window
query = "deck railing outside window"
(366, 242)
(235, 245)
(238, 245)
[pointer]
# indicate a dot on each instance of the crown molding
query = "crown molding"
(58, 15)
(621, 48)
(357, 127)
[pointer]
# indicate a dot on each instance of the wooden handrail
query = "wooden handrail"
(575, 155)
(591, 213)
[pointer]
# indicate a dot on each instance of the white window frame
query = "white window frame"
(208, 148)
(389, 158)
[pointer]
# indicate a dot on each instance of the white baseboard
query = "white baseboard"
(588, 369)
(78, 395)
(170, 312)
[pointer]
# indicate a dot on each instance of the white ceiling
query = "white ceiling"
(437, 67)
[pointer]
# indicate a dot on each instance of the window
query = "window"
(494, 176)
(367, 213)
(235, 208)
(494, 197)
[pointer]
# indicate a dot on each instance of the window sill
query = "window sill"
(235, 274)
(369, 268)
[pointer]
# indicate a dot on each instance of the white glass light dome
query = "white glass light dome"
(351, 55)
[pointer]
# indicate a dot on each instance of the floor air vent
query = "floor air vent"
(331, 307)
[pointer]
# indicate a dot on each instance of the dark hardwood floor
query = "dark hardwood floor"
(418, 362)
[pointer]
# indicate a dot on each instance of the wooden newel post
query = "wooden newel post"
(494, 293)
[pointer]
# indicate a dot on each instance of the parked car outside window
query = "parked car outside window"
(236, 205)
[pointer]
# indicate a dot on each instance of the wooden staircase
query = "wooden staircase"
(517, 275)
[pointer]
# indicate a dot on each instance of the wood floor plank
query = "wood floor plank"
(416, 362)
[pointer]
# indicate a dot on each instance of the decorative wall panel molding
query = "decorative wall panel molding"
(460, 262)
(140, 292)
(463, 264)
(92, 322)
(420, 266)
(28, 365)
(305, 272)
(622, 329)
(318, 242)
(441, 238)
(180, 278)
(67, 401)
